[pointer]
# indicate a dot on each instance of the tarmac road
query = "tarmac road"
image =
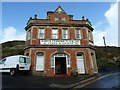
(22, 82)
(109, 81)
(35, 82)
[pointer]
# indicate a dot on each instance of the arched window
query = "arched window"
(40, 61)
(80, 63)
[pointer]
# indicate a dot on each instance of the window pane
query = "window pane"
(40, 54)
(65, 33)
(22, 59)
(2, 61)
(41, 33)
(90, 36)
(28, 34)
(27, 60)
(54, 33)
(78, 34)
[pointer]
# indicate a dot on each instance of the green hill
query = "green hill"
(12, 48)
(16, 47)
(108, 57)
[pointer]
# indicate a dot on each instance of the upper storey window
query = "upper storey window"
(90, 36)
(65, 33)
(59, 19)
(78, 34)
(28, 37)
(41, 33)
(54, 33)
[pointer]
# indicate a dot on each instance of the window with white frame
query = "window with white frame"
(65, 33)
(56, 19)
(29, 34)
(59, 19)
(78, 34)
(40, 61)
(41, 33)
(54, 33)
(90, 36)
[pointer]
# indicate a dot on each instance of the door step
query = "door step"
(61, 75)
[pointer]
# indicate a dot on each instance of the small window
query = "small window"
(90, 36)
(22, 60)
(59, 19)
(27, 60)
(54, 33)
(28, 34)
(2, 61)
(41, 33)
(65, 33)
(78, 33)
(56, 19)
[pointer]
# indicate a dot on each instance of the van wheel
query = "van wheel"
(12, 72)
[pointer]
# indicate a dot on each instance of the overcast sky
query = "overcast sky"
(103, 16)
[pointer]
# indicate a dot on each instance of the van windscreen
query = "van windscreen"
(2, 61)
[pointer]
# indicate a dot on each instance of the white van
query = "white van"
(14, 64)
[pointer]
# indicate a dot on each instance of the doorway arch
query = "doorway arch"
(60, 63)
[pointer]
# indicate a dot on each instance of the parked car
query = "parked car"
(14, 64)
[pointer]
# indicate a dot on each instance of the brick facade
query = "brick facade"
(59, 20)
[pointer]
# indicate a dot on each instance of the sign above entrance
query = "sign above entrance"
(60, 42)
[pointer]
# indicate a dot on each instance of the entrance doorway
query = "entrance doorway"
(60, 65)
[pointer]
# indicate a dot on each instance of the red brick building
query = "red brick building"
(60, 45)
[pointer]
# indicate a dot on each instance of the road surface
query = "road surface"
(107, 81)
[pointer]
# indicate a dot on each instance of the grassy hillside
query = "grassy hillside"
(16, 47)
(108, 57)
(12, 48)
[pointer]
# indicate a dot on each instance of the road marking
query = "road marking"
(92, 81)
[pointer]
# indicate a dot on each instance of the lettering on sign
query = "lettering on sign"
(60, 42)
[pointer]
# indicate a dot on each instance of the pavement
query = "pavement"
(71, 82)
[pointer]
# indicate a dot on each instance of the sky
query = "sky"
(103, 16)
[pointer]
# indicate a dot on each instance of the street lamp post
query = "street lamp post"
(105, 48)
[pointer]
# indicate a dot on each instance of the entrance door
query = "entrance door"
(80, 64)
(60, 65)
